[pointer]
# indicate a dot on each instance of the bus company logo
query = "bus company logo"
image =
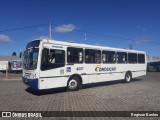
(99, 68)
(68, 69)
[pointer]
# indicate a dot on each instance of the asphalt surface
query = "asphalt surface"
(142, 94)
(10, 76)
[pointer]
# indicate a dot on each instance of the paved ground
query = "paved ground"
(143, 94)
(10, 76)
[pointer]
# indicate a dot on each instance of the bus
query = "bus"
(3, 66)
(52, 64)
(153, 66)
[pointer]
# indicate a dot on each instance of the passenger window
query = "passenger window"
(92, 56)
(74, 55)
(121, 57)
(109, 56)
(132, 57)
(141, 58)
(52, 59)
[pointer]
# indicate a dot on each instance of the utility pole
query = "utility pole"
(50, 30)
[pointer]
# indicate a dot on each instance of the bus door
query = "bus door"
(52, 66)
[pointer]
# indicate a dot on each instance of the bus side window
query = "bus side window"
(141, 58)
(52, 59)
(86, 58)
(108, 56)
(121, 57)
(103, 58)
(74, 55)
(80, 56)
(92, 56)
(114, 58)
(132, 58)
(98, 58)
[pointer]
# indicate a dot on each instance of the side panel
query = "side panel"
(91, 73)
(52, 78)
(47, 83)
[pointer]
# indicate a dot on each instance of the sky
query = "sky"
(113, 23)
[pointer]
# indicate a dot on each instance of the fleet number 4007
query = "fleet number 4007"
(79, 68)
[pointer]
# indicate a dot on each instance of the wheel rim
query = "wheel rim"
(72, 84)
(128, 77)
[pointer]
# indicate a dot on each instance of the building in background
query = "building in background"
(12, 63)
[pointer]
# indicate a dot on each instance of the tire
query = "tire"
(128, 77)
(74, 84)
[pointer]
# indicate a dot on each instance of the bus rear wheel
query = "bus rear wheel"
(73, 84)
(128, 77)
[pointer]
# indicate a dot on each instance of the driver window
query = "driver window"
(52, 59)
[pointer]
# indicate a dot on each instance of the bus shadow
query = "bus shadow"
(106, 83)
(45, 92)
(86, 86)
(136, 79)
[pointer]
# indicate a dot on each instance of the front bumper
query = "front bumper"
(31, 82)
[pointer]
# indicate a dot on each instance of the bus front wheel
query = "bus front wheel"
(73, 84)
(128, 77)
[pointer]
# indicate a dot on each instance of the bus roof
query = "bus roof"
(72, 44)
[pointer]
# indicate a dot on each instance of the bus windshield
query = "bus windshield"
(30, 58)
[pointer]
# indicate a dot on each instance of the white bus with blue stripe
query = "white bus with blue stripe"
(53, 64)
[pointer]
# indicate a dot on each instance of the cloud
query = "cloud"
(65, 28)
(4, 39)
(140, 41)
